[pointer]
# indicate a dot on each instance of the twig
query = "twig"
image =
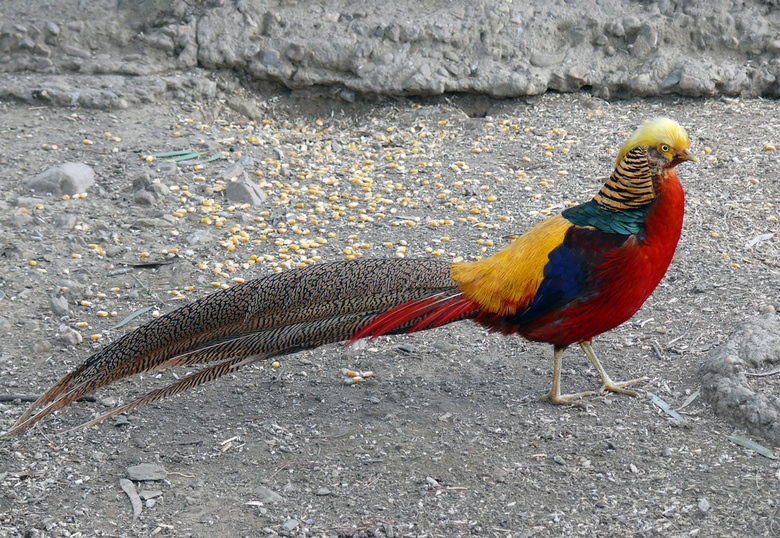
(135, 500)
(181, 474)
(763, 374)
(33, 398)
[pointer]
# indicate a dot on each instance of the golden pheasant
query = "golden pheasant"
(570, 278)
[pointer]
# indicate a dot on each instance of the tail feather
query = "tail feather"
(191, 381)
(273, 315)
(420, 314)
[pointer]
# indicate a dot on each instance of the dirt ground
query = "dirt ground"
(450, 436)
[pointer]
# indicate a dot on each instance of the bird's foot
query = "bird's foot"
(620, 386)
(570, 399)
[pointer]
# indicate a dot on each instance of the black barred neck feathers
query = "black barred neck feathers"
(631, 184)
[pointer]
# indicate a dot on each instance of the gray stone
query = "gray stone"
(146, 471)
(65, 221)
(265, 495)
(59, 305)
(290, 525)
(540, 59)
(754, 346)
(151, 223)
(67, 178)
(52, 28)
(167, 168)
(70, 335)
(144, 198)
(20, 220)
(147, 494)
(295, 52)
(76, 51)
(271, 58)
(348, 95)
(244, 191)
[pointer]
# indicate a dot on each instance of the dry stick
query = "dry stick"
(128, 487)
(33, 397)
(763, 374)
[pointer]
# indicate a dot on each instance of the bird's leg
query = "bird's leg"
(555, 395)
(609, 385)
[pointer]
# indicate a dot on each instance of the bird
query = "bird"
(568, 279)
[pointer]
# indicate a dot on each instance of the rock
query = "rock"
(167, 168)
(295, 52)
(348, 95)
(271, 58)
(247, 108)
(233, 171)
(28, 202)
(151, 223)
(322, 492)
(290, 525)
(244, 191)
(59, 305)
(753, 346)
(540, 59)
(70, 335)
(144, 198)
(265, 495)
(20, 220)
(146, 471)
(52, 28)
(147, 494)
(76, 51)
(67, 178)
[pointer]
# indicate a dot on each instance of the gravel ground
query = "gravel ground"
(449, 437)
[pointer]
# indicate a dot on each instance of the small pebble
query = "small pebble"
(290, 525)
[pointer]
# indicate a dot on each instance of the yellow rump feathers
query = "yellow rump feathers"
(656, 133)
(507, 281)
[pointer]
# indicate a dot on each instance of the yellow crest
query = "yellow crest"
(656, 132)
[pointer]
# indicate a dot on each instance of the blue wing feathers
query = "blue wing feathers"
(569, 273)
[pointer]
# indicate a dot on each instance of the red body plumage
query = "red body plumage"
(628, 275)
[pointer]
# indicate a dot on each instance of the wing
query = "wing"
(572, 273)
(508, 281)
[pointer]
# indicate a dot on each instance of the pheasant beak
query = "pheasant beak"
(684, 155)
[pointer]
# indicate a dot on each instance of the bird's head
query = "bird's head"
(666, 141)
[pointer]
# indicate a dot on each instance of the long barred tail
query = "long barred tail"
(270, 316)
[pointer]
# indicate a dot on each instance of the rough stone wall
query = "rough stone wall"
(501, 48)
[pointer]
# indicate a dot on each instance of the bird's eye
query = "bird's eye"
(664, 148)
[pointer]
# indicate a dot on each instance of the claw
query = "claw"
(618, 386)
(570, 399)
(557, 398)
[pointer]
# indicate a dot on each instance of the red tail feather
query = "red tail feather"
(427, 313)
